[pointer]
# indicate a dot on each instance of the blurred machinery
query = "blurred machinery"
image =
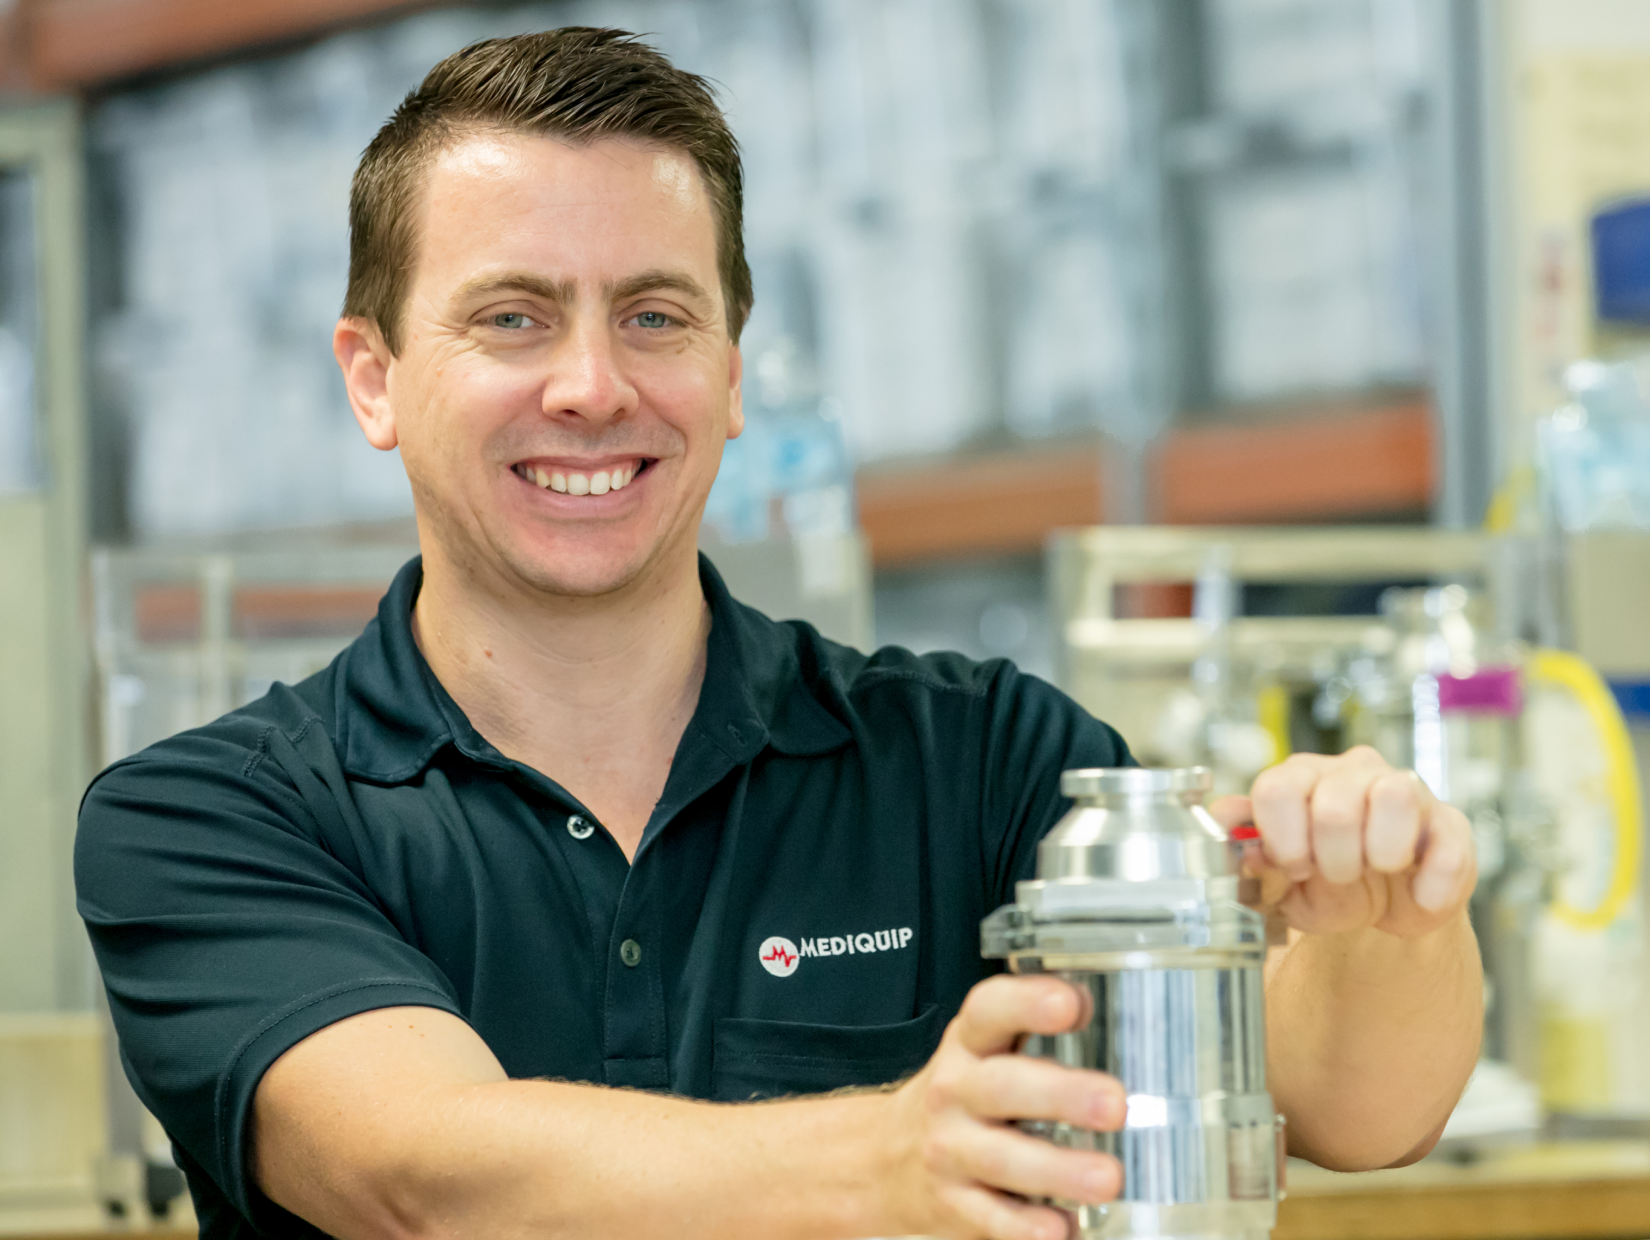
(1439, 649)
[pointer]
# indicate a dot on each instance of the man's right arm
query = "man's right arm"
(400, 1122)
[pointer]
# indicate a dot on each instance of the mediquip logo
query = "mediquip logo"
(780, 957)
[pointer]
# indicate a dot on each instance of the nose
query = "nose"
(587, 381)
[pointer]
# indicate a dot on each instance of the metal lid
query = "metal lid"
(1135, 825)
(1134, 781)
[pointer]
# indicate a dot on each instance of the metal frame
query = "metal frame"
(1471, 257)
(1087, 564)
(51, 1039)
(42, 571)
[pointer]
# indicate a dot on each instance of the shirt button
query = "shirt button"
(630, 951)
(579, 827)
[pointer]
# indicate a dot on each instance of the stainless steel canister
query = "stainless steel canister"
(1137, 900)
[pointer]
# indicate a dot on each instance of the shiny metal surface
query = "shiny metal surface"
(1136, 901)
(1135, 825)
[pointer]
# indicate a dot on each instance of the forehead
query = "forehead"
(546, 204)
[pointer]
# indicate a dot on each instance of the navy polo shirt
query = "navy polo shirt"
(802, 912)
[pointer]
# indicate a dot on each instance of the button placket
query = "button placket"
(580, 827)
(630, 951)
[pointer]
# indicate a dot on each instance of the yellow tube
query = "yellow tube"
(1272, 709)
(1567, 671)
(1511, 496)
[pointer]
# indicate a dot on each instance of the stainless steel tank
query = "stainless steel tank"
(1137, 900)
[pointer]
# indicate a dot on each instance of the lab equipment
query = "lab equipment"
(1459, 674)
(1594, 452)
(1137, 901)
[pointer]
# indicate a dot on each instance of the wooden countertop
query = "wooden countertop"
(1586, 1190)
(1543, 1191)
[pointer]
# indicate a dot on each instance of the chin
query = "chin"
(580, 572)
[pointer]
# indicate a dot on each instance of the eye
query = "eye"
(653, 319)
(512, 321)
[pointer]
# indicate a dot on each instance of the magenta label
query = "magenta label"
(1490, 691)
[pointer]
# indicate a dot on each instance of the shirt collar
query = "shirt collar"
(394, 716)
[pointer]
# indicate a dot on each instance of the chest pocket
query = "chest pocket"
(772, 1058)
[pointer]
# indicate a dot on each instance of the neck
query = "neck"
(594, 692)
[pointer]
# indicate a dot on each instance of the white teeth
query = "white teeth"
(598, 483)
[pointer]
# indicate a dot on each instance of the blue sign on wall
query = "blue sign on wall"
(1621, 261)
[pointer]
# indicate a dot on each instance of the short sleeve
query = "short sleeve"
(1032, 733)
(227, 931)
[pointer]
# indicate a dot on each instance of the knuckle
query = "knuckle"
(1336, 809)
(1269, 783)
(939, 1152)
(1455, 822)
(998, 1075)
(978, 999)
(1290, 778)
(1397, 790)
(1448, 857)
(950, 1084)
(942, 1095)
(992, 1163)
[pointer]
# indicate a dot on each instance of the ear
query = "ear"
(736, 398)
(365, 360)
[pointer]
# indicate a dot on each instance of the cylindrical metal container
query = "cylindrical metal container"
(1137, 901)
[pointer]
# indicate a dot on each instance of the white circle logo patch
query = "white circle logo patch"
(778, 955)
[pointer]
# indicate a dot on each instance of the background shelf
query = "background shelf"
(1324, 463)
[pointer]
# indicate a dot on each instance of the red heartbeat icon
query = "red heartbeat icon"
(780, 954)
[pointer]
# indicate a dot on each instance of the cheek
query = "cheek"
(694, 400)
(453, 405)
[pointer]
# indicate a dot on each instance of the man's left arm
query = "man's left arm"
(1374, 1011)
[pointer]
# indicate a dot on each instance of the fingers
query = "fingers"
(1398, 806)
(1009, 1159)
(971, 1091)
(1007, 1087)
(1000, 1217)
(1330, 822)
(1447, 870)
(1335, 816)
(1000, 1009)
(1339, 811)
(1281, 797)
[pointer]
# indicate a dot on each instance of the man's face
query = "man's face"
(566, 381)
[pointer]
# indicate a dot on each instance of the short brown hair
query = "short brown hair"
(579, 83)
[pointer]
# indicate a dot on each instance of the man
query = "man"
(381, 948)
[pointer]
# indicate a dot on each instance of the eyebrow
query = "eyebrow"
(557, 291)
(655, 281)
(564, 292)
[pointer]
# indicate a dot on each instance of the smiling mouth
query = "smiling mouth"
(582, 482)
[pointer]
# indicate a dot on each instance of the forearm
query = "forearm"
(547, 1159)
(1372, 1039)
(400, 1123)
